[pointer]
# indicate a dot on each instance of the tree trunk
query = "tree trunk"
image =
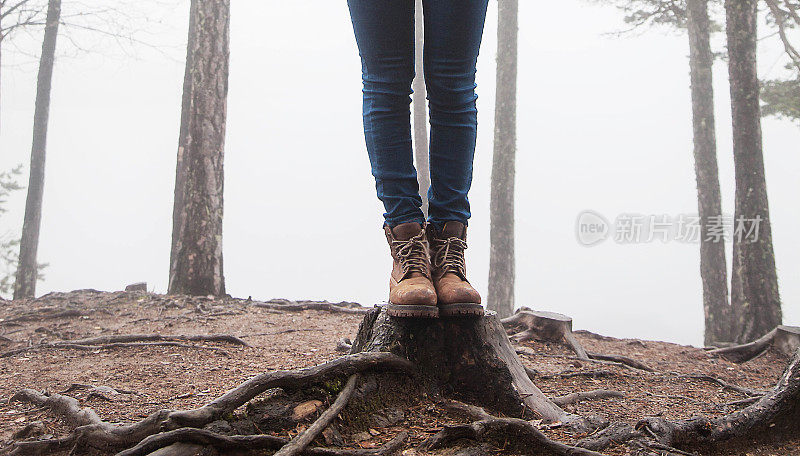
(756, 307)
(420, 112)
(28, 268)
(713, 267)
(501, 257)
(196, 257)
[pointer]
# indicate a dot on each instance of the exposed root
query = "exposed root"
(68, 346)
(130, 340)
(739, 389)
(525, 435)
(529, 352)
(621, 360)
(302, 440)
(299, 306)
(221, 442)
(776, 415)
(91, 431)
(573, 374)
(43, 314)
(574, 398)
(613, 434)
(786, 339)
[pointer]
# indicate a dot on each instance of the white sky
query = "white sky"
(604, 124)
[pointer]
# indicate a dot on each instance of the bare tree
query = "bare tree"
(28, 268)
(14, 16)
(501, 256)
(713, 266)
(755, 297)
(421, 111)
(196, 257)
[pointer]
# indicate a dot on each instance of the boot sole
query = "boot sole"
(461, 309)
(411, 311)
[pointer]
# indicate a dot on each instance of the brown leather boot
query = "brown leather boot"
(456, 296)
(411, 292)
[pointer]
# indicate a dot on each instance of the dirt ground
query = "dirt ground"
(151, 378)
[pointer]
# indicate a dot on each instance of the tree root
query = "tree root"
(574, 398)
(786, 339)
(529, 352)
(621, 360)
(130, 340)
(203, 438)
(777, 414)
(91, 431)
(67, 346)
(43, 314)
(299, 443)
(749, 392)
(299, 306)
(527, 437)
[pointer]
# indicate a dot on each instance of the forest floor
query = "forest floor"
(153, 377)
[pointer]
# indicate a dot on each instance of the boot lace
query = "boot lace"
(413, 255)
(448, 256)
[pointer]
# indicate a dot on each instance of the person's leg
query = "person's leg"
(385, 35)
(384, 32)
(453, 32)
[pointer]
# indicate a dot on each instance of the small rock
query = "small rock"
(306, 409)
(138, 286)
(362, 436)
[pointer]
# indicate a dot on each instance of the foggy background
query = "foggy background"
(604, 124)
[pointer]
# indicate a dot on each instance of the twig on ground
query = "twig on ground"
(573, 398)
(292, 306)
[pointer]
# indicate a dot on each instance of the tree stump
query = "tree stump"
(784, 339)
(467, 358)
(546, 326)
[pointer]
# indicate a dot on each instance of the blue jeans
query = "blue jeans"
(384, 32)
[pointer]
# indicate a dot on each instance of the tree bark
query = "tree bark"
(28, 268)
(420, 111)
(713, 267)
(196, 257)
(501, 257)
(756, 305)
